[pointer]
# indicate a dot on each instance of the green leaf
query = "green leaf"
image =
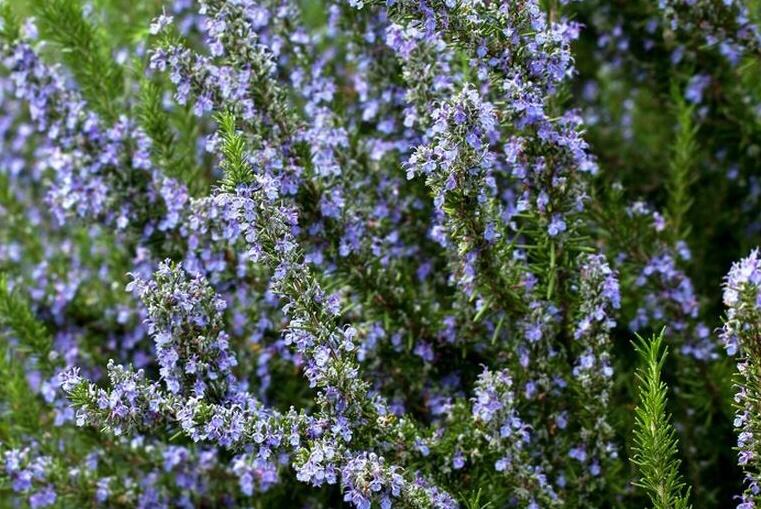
(16, 315)
(655, 443)
(10, 28)
(682, 165)
(84, 51)
(237, 170)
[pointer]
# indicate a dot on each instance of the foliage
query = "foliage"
(655, 450)
(376, 253)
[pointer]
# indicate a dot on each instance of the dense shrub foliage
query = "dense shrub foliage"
(380, 253)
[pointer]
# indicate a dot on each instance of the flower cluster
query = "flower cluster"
(28, 474)
(740, 334)
(130, 403)
(185, 321)
(510, 437)
(88, 157)
(593, 369)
